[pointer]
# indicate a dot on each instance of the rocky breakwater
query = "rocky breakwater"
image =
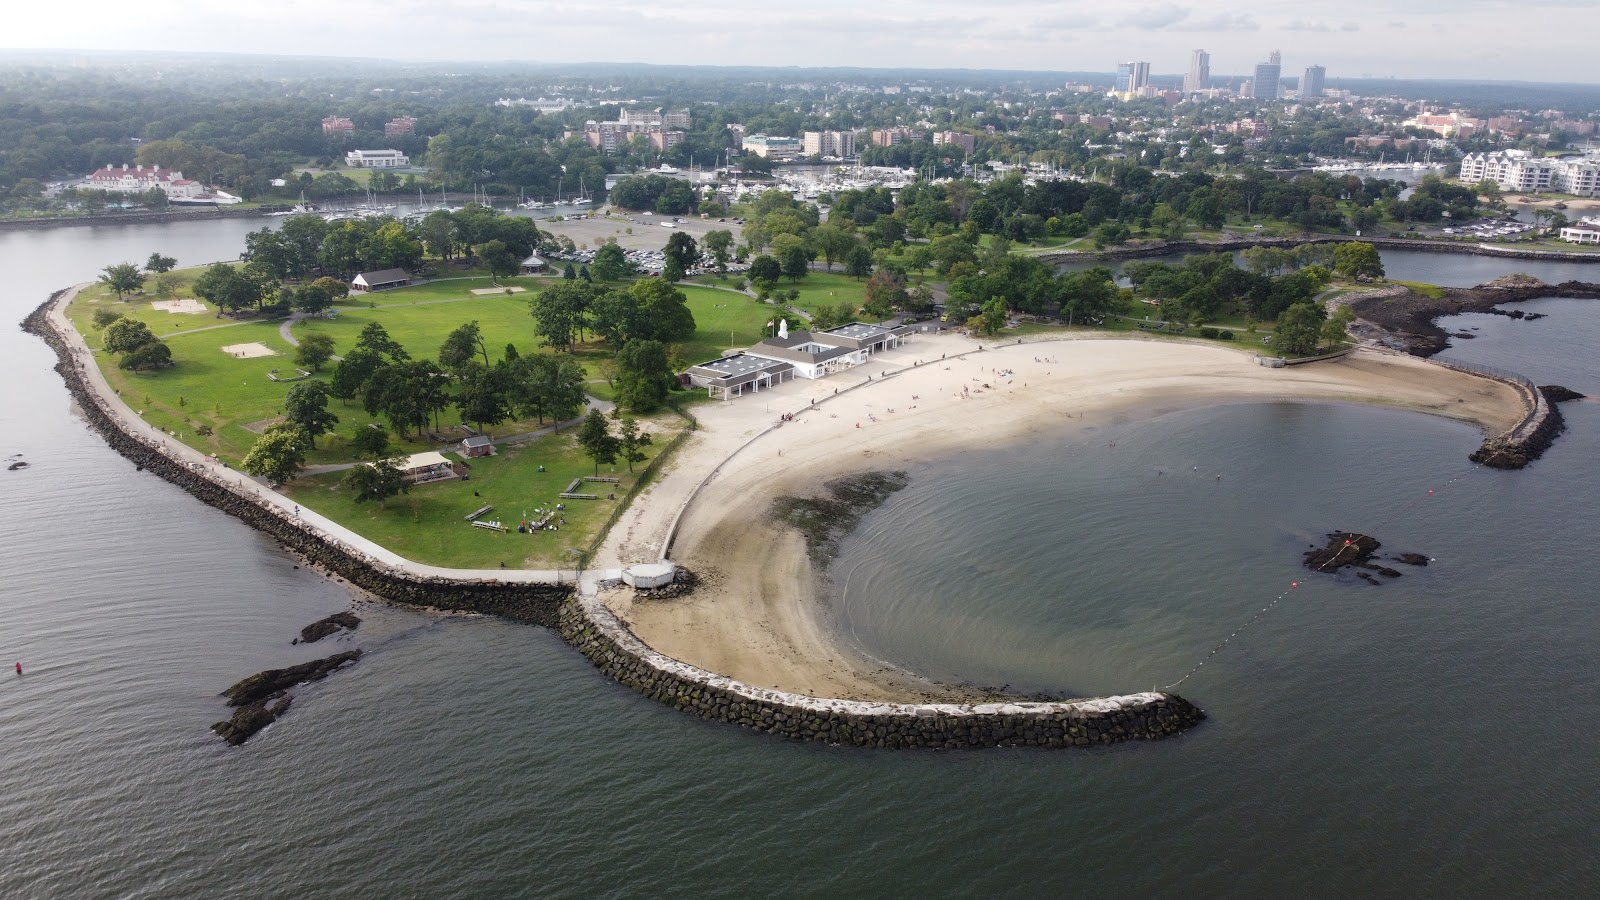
(1397, 317)
(521, 601)
(589, 626)
(1529, 440)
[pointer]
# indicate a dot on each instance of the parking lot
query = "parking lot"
(589, 232)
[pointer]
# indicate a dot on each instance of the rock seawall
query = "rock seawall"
(534, 603)
(594, 631)
(589, 626)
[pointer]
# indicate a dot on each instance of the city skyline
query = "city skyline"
(1468, 39)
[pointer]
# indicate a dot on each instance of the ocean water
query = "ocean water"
(1432, 736)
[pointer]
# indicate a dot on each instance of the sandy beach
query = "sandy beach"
(757, 616)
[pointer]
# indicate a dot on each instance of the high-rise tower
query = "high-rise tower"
(1199, 72)
(1311, 82)
(1132, 77)
(1267, 75)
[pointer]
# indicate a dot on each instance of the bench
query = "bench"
(473, 516)
(601, 478)
(567, 495)
(492, 526)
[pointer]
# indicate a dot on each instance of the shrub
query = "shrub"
(1208, 332)
(1226, 335)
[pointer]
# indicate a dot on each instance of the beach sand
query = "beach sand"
(758, 617)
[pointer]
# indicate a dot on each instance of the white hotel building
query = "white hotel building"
(1519, 170)
(376, 159)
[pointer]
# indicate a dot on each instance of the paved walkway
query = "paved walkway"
(256, 490)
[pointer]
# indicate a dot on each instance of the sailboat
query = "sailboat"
(583, 195)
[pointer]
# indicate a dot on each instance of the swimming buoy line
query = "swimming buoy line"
(1295, 584)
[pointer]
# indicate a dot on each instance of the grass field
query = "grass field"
(209, 390)
(1431, 291)
(428, 525)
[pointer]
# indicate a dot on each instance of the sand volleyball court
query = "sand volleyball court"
(185, 305)
(248, 351)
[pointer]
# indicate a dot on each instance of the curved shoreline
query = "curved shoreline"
(765, 624)
(589, 625)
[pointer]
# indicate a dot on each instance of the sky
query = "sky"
(1532, 40)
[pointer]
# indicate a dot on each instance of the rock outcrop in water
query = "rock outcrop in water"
(321, 628)
(1346, 549)
(263, 697)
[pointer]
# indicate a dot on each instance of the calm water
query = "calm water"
(1448, 269)
(1432, 736)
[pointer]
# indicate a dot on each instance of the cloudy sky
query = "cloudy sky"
(1535, 40)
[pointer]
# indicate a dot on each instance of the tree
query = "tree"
(378, 480)
(561, 311)
(596, 439)
(993, 316)
(644, 376)
(682, 249)
(663, 312)
(123, 278)
(314, 351)
(631, 442)
(610, 264)
(375, 338)
(765, 269)
(719, 243)
(370, 441)
(312, 299)
(277, 455)
(484, 397)
(1110, 234)
(1333, 330)
(1358, 260)
(353, 373)
(886, 292)
(306, 406)
(125, 335)
(462, 347)
(795, 262)
(1299, 328)
(858, 261)
(541, 386)
(160, 265)
(226, 287)
(833, 242)
(104, 317)
(149, 355)
(500, 260)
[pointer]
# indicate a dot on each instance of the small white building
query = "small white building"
(1582, 233)
(376, 159)
(380, 281)
(421, 468)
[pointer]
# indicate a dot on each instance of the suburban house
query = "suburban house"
(797, 354)
(376, 159)
(421, 468)
(140, 179)
(476, 446)
(534, 265)
(380, 281)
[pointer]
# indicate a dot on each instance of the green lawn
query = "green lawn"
(826, 289)
(722, 320)
(211, 390)
(1431, 291)
(427, 525)
(138, 306)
